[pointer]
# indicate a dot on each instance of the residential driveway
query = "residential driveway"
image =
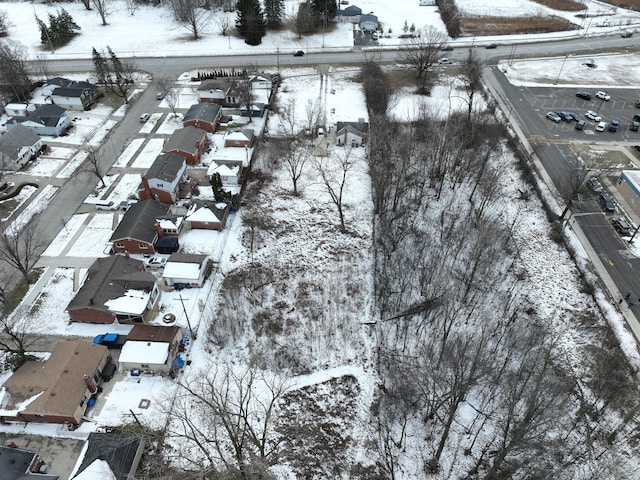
(60, 454)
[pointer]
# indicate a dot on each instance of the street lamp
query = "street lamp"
(561, 67)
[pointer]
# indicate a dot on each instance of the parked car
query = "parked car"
(6, 186)
(591, 115)
(607, 202)
(126, 204)
(580, 124)
(614, 125)
(574, 117)
(110, 205)
(636, 118)
(603, 95)
(160, 95)
(634, 126)
(298, 53)
(144, 117)
(566, 116)
(445, 61)
(553, 116)
(584, 95)
(491, 46)
(637, 148)
(637, 104)
(156, 262)
(627, 34)
(621, 226)
(595, 185)
(601, 126)
(110, 340)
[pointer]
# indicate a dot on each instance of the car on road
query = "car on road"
(603, 95)
(634, 126)
(491, 46)
(445, 61)
(607, 202)
(580, 124)
(156, 262)
(298, 53)
(614, 125)
(591, 115)
(621, 226)
(627, 34)
(595, 185)
(446, 48)
(584, 95)
(110, 340)
(160, 95)
(601, 126)
(144, 117)
(553, 116)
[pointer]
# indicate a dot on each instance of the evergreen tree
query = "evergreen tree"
(62, 28)
(250, 21)
(274, 10)
(325, 9)
(102, 67)
(44, 32)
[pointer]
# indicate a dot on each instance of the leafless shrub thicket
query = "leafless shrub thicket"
(467, 364)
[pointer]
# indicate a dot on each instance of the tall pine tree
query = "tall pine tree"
(250, 21)
(274, 10)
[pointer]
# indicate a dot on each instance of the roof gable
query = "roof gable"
(204, 111)
(139, 220)
(17, 137)
(185, 139)
(166, 167)
(119, 451)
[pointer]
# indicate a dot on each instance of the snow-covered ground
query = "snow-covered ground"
(342, 347)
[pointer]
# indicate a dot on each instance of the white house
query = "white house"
(18, 146)
(19, 109)
(186, 269)
(150, 347)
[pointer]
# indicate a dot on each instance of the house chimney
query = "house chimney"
(93, 388)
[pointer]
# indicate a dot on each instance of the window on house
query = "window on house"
(84, 399)
(143, 246)
(144, 366)
(119, 245)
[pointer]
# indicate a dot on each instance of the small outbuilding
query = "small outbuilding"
(186, 270)
(151, 348)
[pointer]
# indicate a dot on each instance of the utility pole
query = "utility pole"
(193, 334)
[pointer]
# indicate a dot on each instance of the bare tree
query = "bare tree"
(224, 25)
(246, 97)
(294, 156)
(171, 94)
(15, 338)
(227, 419)
(20, 247)
(92, 163)
(191, 16)
(14, 74)
(5, 23)
(132, 6)
(334, 174)
(313, 112)
(87, 4)
(471, 76)
(101, 7)
(422, 51)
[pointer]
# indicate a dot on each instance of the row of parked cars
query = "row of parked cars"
(609, 206)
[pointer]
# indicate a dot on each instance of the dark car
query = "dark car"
(110, 340)
(621, 226)
(580, 124)
(607, 203)
(614, 125)
(574, 117)
(635, 126)
(446, 48)
(298, 53)
(491, 46)
(637, 104)
(595, 185)
(627, 35)
(566, 116)
(636, 118)
(637, 147)
(584, 95)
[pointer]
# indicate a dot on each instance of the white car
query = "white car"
(591, 115)
(156, 262)
(601, 127)
(445, 61)
(603, 95)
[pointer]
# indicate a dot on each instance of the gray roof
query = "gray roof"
(179, 257)
(48, 115)
(16, 138)
(166, 167)
(350, 11)
(185, 139)
(205, 111)
(15, 462)
(119, 451)
(368, 17)
(109, 278)
(361, 127)
(139, 221)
